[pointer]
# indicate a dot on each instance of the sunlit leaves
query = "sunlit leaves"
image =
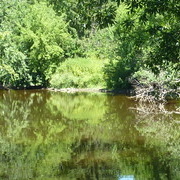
(159, 27)
(37, 38)
(86, 16)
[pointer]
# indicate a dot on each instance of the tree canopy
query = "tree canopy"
(37, 35)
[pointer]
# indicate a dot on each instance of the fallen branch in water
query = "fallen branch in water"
(153, 111)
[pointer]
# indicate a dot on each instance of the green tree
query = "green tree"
(147, 33)
(86, 16)
(33, 40)
(128, 36)
(159, 36)
(13, 67)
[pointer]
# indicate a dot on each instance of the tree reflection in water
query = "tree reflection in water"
(51, 135)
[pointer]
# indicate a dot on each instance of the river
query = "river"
(86, 136)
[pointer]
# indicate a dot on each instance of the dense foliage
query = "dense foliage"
(85, 16)
(36, 36)
(79, 73)
(33, 40)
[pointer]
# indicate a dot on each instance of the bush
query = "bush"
(79, 73)
(169, 77)
(32, 44)
(161, 87)
(117, 74)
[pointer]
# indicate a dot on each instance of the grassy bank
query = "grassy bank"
(79, 73)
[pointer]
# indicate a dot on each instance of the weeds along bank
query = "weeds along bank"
(85, 44)
(79, 73)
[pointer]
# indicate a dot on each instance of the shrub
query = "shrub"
(30, 45)
(117, 73)
(157, 87)
(79, 73)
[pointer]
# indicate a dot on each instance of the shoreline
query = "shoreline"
(91, 90)
(127, 92)
(72, 90)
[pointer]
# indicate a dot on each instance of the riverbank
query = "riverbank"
(73, 90)
(92, 90)
(145, 94)
(21, 88)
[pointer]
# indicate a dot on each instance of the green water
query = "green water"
(85, 136)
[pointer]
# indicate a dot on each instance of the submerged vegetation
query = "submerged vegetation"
(69, 43)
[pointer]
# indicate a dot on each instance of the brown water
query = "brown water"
(58, 136)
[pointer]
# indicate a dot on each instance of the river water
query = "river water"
(86, 136)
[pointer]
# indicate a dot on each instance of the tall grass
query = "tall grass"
(79, 73)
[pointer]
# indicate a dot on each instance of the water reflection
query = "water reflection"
(128, 177)
(51, 135)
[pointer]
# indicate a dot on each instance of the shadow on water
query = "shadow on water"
(61, 136)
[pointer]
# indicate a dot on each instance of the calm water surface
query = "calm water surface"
(85, 136)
